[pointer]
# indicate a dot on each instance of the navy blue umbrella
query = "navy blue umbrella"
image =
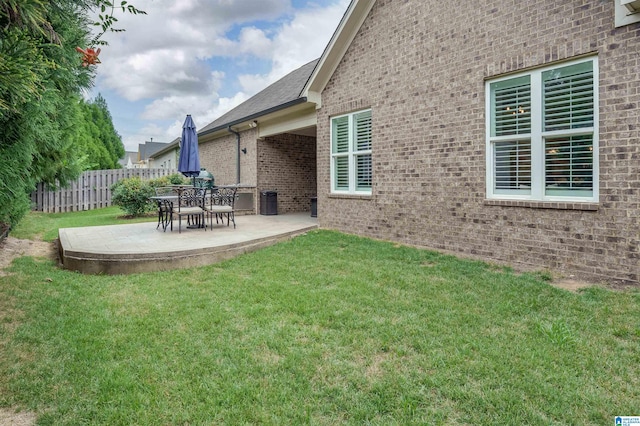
(189, 162)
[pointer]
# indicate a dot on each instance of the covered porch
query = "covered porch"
(267, 144)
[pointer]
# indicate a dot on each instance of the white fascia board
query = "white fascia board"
(289, 123)
(280, 121)
(351, 22)
(315, 98)
(626, 12)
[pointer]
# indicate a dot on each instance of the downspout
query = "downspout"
(238, 154)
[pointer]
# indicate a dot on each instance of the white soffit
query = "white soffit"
(626, 12)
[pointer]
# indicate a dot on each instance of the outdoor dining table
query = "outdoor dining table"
(166, 204)
(165, 210)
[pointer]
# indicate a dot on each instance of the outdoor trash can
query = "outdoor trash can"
(314, 206)
(268, 202)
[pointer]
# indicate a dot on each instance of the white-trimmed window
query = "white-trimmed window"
(351, 153)
(626, 12)
(542, 134)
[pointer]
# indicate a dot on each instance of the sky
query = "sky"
(203, 57)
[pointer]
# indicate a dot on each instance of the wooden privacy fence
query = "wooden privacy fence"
(92, 190)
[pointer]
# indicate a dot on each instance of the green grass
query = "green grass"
(324, 329)
(46, 225)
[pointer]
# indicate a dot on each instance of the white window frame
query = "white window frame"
(626, 12)
(352, 154)
(537, 136)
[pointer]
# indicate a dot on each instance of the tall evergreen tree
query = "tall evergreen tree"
(41, 80)
(98, 144)
(109, 137)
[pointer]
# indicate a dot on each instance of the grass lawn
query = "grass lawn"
(324, 329)
(46, 225)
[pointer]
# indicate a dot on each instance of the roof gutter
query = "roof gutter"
(237, 154)
(254, 116)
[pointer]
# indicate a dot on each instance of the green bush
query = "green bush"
(178, 179)
(174, 179)
(132, 195)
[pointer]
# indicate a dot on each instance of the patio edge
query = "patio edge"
(133, 263)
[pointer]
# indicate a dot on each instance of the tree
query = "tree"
(41, 80)
(98, 144)
(109, 137)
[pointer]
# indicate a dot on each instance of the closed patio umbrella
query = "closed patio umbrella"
(189, 161)
(189, 164)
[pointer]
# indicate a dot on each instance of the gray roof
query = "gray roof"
(147, 149)
(174, 144)
(133, 155)
(282, 93)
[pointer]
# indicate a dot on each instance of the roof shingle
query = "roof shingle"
(286, 90)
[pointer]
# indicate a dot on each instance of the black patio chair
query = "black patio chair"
(191, 204)
(222, 203)
(165, 197)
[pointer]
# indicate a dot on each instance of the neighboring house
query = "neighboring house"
(152, 155)
(166, 157)
(146, 151)
(267, 143)
(507, 131)
(129, 160)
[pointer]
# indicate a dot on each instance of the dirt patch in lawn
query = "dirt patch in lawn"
(571, 284)
(11, 248)
(10, 418)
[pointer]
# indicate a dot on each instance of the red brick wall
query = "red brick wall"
(287, 163)
(421, 67)
(220, 158)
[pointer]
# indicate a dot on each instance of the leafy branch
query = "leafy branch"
(107, 20)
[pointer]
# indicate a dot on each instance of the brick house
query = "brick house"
(266, 143)
(506, 131)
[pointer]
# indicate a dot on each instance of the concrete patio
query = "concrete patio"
(140, 247)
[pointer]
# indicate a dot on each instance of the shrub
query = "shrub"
(132, 195)
(178, 179)
(174, 179)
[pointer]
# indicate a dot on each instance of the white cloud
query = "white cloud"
(226, 104)
(255, 42)
(203, 113)
(146, 133)
(298, 42)
(184, 102)
(171, 106)
(163, 59)
(148, 75)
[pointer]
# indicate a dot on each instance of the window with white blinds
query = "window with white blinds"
(513, 167)
(542, 134)
(511, 107)
(351, 170)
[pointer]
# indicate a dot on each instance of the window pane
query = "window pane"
(340, 134)
(351, 143)
(363, 178)
(569, 166)
(511, 107)
(341, 170)
(512, 167)
(362, 123)
(568, 97)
